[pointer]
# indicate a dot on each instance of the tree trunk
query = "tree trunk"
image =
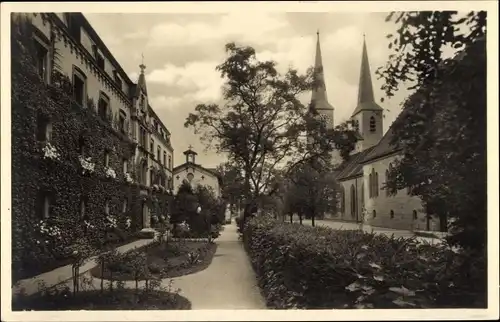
(291, 218)
(313, 216)
(301, 216)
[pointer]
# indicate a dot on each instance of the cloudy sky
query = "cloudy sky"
(181, 52)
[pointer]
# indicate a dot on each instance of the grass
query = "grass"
(123, 299)
(165, 260)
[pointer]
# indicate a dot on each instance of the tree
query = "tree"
(185, 203)
(232, 183)
(262, 126)
(312, 191)
(443, 131)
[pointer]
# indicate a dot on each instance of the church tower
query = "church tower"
(320, 107)
(367, 114)
(319, 98)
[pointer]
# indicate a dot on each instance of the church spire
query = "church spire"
(366, 99)
(319, 97)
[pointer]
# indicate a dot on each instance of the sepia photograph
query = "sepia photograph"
(296, 159)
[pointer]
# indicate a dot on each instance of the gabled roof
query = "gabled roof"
(352, 167)
(197, 166)
(319, 98)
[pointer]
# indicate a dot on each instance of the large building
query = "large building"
(363, 174)
(68, 47)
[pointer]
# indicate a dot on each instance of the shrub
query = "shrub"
(305, 267)
(145, 234)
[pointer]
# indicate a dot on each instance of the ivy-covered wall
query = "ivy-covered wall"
(54, 170)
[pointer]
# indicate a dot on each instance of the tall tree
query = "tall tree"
(443, 131)
(262, 125)
(232, 183)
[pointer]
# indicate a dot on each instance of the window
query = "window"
(103, 107)
(125, 166)
(44, 205)
(164, 158)
(106, 207)
(73, 26)
(170, 162)
(41, 60)
(392, 214)
(118, 82)
(376, 190)
(353, 201)
(121, 119)
(387, 194)
(79, 86)
(374, 213)
(152, 148)
(190, 177)
(342, 200)
(143, 137)
(142, 103)
(125, 205)
(373, 125)
(370, 185)
(44, 128)
(158, 152)
(415, 215)
(151, 177)
(106, 158)
(100, 61)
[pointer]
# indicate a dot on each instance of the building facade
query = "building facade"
(67, 47)
(195, 174)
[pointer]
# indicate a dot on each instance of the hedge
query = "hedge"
(321, 268)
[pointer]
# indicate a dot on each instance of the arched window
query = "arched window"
(373, 125)
(392, 214)
(342, 199)
(375, 190)
(374, 213)
(415, 216)
(370, 186)
(353, 201)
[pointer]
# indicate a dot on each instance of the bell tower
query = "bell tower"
(367, 114)
(190, 155)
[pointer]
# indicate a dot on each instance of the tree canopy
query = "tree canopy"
(262, 125)
(442, 129)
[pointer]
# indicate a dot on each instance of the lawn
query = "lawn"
(164, 260)
(123, 299)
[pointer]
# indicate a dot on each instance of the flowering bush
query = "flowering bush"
(354, 269)
(112, 222)
(87, 165)
(128, 178)
(110, 173)
(128, 223)
(50, 152)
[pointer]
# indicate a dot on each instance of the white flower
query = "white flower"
(112, 221)
(378, 278)
(128, 222)
(402, 291)
(110, 173)
(128, 178)
(87, 165)
(373, 265)
(50, 152)
(353, 287)
(364, 247)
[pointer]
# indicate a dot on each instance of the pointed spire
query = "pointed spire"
(366, 99)
(141, 83)
(319, 96)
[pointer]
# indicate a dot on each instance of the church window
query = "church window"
(370, 185)
(386, 180)
(373, 125)
(353, 201)
(392, 214)
(375, 187)
(342, 200)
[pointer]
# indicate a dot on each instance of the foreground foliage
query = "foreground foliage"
(317, 268)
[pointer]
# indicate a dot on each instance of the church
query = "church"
(196, 174)
(362, 175)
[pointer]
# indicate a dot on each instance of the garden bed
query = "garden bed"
(123, 299)
(164, 260)
(40, 268)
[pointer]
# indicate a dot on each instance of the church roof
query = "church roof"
(319, 98)
(352, 167)
(366, 98)
(141, 83)
(209, 170)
